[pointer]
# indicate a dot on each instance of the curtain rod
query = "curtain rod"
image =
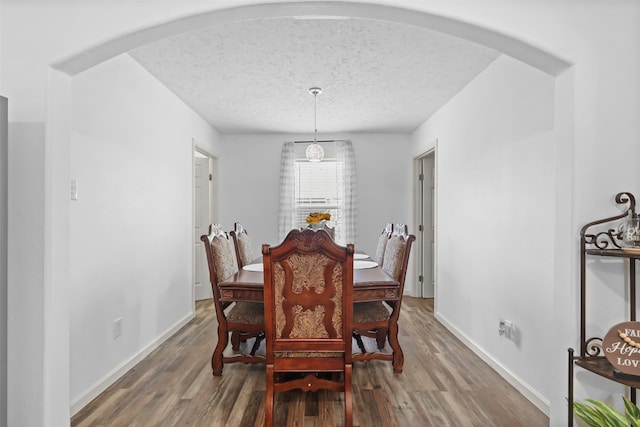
(324, 140)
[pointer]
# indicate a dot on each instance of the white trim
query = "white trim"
(194, 153)
(536, 56)
(56, 290)
(435, 224)
(200, 146)
(103, 383)
(525, 389)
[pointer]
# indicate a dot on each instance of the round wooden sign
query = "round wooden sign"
(621, 347)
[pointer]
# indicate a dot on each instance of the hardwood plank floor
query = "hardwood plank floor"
(443, 384)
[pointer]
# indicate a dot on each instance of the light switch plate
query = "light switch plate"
(74, 189)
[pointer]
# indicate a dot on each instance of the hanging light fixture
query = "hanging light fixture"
(315, 152)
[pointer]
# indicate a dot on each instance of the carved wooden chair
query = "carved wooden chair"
(242, 244)
(382, 244)
(243, 320)
(308, 298)
(379, 319)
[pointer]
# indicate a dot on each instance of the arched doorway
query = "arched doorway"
(57, 160)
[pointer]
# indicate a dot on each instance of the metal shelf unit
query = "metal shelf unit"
(604, 243)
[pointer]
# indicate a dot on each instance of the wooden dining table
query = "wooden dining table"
(369, 284)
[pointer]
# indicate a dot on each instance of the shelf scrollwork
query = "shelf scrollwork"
(613, 236)
(593, 347)
(603, 239)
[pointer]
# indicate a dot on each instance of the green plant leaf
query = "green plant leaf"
(610, 413)
(632, 412)
(589, 415)
(599, 414)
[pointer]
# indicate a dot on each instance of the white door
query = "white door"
(426, 238)
(202, 219)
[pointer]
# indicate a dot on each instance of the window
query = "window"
(316, 190)
(329, 185)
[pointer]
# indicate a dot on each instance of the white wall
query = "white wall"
(495, 185)
(131, 227)
(607, 135)
(249, 176)
(25, 271)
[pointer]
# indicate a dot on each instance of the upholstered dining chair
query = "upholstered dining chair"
(379, 319)
(382, 243)
(242, 244)
(243, 320)
(308, 299)
(331, 231)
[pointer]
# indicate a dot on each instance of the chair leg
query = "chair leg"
(268, 405)
(398, 355)
(358, 338)
(348, 397)
(256, 344)
(216, 358)
(235, 340)
(381, 338)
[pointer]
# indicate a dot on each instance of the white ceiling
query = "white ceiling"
(253, 76)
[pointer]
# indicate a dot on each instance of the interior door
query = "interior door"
(202, 219)
(426, 274)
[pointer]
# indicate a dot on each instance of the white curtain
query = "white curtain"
(287, 189)
(347, 193)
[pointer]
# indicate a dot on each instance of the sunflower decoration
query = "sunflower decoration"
(316, 217)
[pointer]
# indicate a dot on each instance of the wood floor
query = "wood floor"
(443, 384)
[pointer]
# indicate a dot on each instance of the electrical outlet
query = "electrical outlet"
(505, 328)
(117, 327)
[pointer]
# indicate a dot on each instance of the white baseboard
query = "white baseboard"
(527, 391)
(102, 384)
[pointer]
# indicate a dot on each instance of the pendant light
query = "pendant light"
(315, 152)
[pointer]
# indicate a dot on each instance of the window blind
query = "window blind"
(316, 190)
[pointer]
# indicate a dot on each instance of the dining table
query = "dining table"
(370, 283)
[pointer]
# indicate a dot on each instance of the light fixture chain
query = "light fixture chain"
(315, 152)
(315, 117)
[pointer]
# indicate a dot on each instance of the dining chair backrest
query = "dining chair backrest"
(308, 304)
(331, 231)
(242, 244)
(221, 257)
(382, 243)
(396, 254)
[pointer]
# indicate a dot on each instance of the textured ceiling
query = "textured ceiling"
(253, 76)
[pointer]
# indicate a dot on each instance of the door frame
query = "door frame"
(213, 203)
(419, 287)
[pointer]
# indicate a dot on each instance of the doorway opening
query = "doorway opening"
(425, 224)
(204, 213)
